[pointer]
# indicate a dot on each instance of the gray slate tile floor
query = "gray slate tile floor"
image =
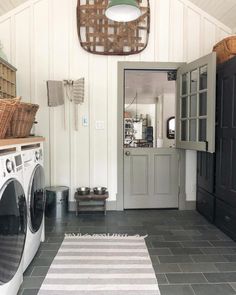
(190, 256)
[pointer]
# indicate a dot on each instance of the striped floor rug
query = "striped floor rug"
(101, 265)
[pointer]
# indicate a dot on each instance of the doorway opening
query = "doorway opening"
(149, 164)
(149, 109)
(151, 145)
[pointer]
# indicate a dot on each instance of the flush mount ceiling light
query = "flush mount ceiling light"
(123, 10)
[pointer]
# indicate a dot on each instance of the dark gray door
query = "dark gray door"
(151, 178)
(206, 171)
(226, 134)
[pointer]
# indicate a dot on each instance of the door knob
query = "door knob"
(127, 153)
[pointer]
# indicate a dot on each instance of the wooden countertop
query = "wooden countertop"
(22, 141)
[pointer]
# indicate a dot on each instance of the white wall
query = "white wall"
(40, 39)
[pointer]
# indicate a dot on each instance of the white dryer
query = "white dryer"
(13, 223)
(34, 187)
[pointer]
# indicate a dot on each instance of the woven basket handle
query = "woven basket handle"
(227, 48)
(18, 98)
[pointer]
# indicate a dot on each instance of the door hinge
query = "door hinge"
(206, 145)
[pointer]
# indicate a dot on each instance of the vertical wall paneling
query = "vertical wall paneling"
(193, 34)
(51, 138)
(12, 38)
(112, 126)
(61, 113)
(149, 52)
(91, 124)
(71, 114)
(49, 49)
(79, 63)
(223, 34)
(31, 51)
(5, 32)
(163, 30)
(40, 41)
(176, 35)
(22, 53)
(209, 35)
(99, 94)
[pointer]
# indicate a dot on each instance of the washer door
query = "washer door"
(13, 227)
(36, 190)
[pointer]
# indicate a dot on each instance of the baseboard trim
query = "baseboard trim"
(190, 205)
(111, 206)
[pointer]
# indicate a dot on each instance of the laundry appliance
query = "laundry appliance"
(13, 223)
(34, 188)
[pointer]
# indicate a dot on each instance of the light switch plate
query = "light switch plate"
(100, 125)
(85, 121)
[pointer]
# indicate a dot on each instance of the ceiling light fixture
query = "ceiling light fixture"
(123, 10)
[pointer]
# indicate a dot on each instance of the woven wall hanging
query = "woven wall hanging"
(99, 35)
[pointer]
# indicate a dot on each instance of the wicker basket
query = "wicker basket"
(22, 120)
(7, 109)
(225, 49)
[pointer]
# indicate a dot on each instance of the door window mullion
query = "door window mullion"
(198, 99)
(197, 119)
(188, 106)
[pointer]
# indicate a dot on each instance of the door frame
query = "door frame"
(129, 65)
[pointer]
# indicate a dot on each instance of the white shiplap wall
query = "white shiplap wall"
(40, 39)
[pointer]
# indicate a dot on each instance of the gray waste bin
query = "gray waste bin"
(57, 201)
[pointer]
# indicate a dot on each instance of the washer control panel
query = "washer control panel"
(32, 156)
(11, 164)
(38, 155)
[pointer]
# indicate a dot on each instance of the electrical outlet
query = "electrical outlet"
(99, 125)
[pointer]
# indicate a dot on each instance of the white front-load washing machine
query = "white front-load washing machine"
(34, 187)
(13, 223)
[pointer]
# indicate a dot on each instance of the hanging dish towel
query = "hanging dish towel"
(78, 97)
(78, 91)
(55, 93)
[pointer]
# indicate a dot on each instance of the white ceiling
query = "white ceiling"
(148, 85)
(7, 5)
(223, 10)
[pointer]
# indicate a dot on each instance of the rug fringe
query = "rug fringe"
(104, 236)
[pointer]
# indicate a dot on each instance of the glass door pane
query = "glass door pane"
(193, 105)
(194, 81)
(195, 126)
(203, 104)
(203, 77)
